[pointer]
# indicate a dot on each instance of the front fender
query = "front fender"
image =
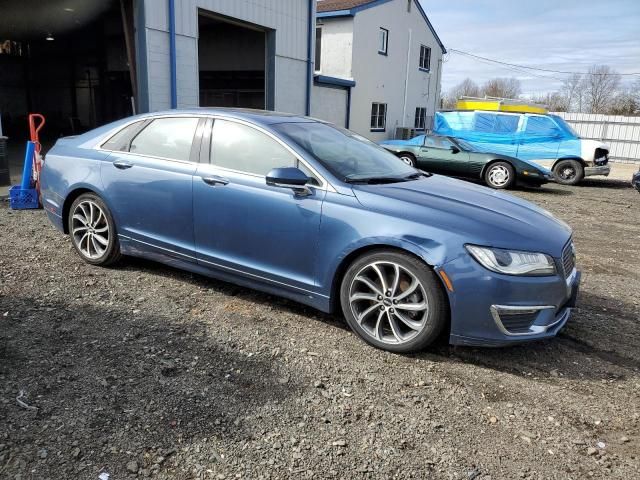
(347, 230)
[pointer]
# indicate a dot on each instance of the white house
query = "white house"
(377, 66)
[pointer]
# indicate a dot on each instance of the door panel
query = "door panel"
(436, 153)
(243, 224)
(540, 139)
(151, 200)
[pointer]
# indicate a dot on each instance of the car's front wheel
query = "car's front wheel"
(499, 175)
(393, 301)
(568, 172)
(93, 231)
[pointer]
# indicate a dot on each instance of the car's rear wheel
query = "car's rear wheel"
(407, 158)
(499, 175)
(93, 231)
(568, 172)
(393, 301)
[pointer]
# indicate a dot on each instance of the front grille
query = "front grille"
(568, 259)
(518, 323)
(601, 156)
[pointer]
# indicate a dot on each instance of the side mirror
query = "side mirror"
(454, 149)
(289, 177)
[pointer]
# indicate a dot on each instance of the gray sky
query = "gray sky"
(567, 35)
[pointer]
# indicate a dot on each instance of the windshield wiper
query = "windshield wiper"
(417, 175)
(376, 180)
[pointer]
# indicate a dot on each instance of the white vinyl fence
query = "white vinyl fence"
(622, 134)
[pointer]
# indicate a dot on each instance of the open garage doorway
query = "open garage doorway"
(234, 61)
(68, 60)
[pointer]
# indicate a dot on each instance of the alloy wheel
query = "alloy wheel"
(388, 302)
(90, 229)
(499, 176)
(568, 173)
(408, 160)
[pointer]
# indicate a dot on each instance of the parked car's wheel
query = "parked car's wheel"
(393, 301)
(568, 172)
(407, 158)
(93, 231)
(500, 175)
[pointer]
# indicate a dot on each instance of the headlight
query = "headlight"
(512, 262)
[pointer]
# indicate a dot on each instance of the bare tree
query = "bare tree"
(573, 89)
(600, 85)
(466, 88)
(501, 88)
(554, 101)
(634, 90)
(626, 102)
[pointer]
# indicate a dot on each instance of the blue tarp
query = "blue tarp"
(523, 136)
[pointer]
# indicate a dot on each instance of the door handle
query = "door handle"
(215, 180)
(122, 164)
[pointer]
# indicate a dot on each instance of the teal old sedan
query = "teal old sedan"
(457, 158)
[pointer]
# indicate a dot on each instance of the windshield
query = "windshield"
(345, 154)
(562, 123)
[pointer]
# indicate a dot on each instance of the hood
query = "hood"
(471, 213)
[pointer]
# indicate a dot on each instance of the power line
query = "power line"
(525, 72)
(532, 68)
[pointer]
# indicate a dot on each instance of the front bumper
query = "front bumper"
(491, 309)
(597, 170)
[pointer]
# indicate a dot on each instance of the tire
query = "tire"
(500, 175)
(93, 231)
(568, 172)
(408, 158)
(379, 317)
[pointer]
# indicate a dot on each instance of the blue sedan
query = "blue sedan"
(303, 209)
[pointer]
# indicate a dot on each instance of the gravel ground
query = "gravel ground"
(145, 371)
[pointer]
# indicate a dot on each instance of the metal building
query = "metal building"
(83, 63)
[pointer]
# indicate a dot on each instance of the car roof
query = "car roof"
(264, 117)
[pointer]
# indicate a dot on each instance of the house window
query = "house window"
(378, 116)
(425, 57)
(318, 48)
(383, 41)
(421, 115)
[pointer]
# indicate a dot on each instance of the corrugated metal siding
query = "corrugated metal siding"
(287, 17)
(621, 133)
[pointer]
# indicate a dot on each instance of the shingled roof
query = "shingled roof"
(333, 5)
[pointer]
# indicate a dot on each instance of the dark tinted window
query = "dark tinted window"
(318, 49)
(425, 57)
(239, 147)
(121, 140)
(166, 138)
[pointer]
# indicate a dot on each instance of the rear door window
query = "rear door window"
(166, 138)
(120, 141)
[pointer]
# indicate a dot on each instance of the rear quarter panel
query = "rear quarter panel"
(67, 168)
